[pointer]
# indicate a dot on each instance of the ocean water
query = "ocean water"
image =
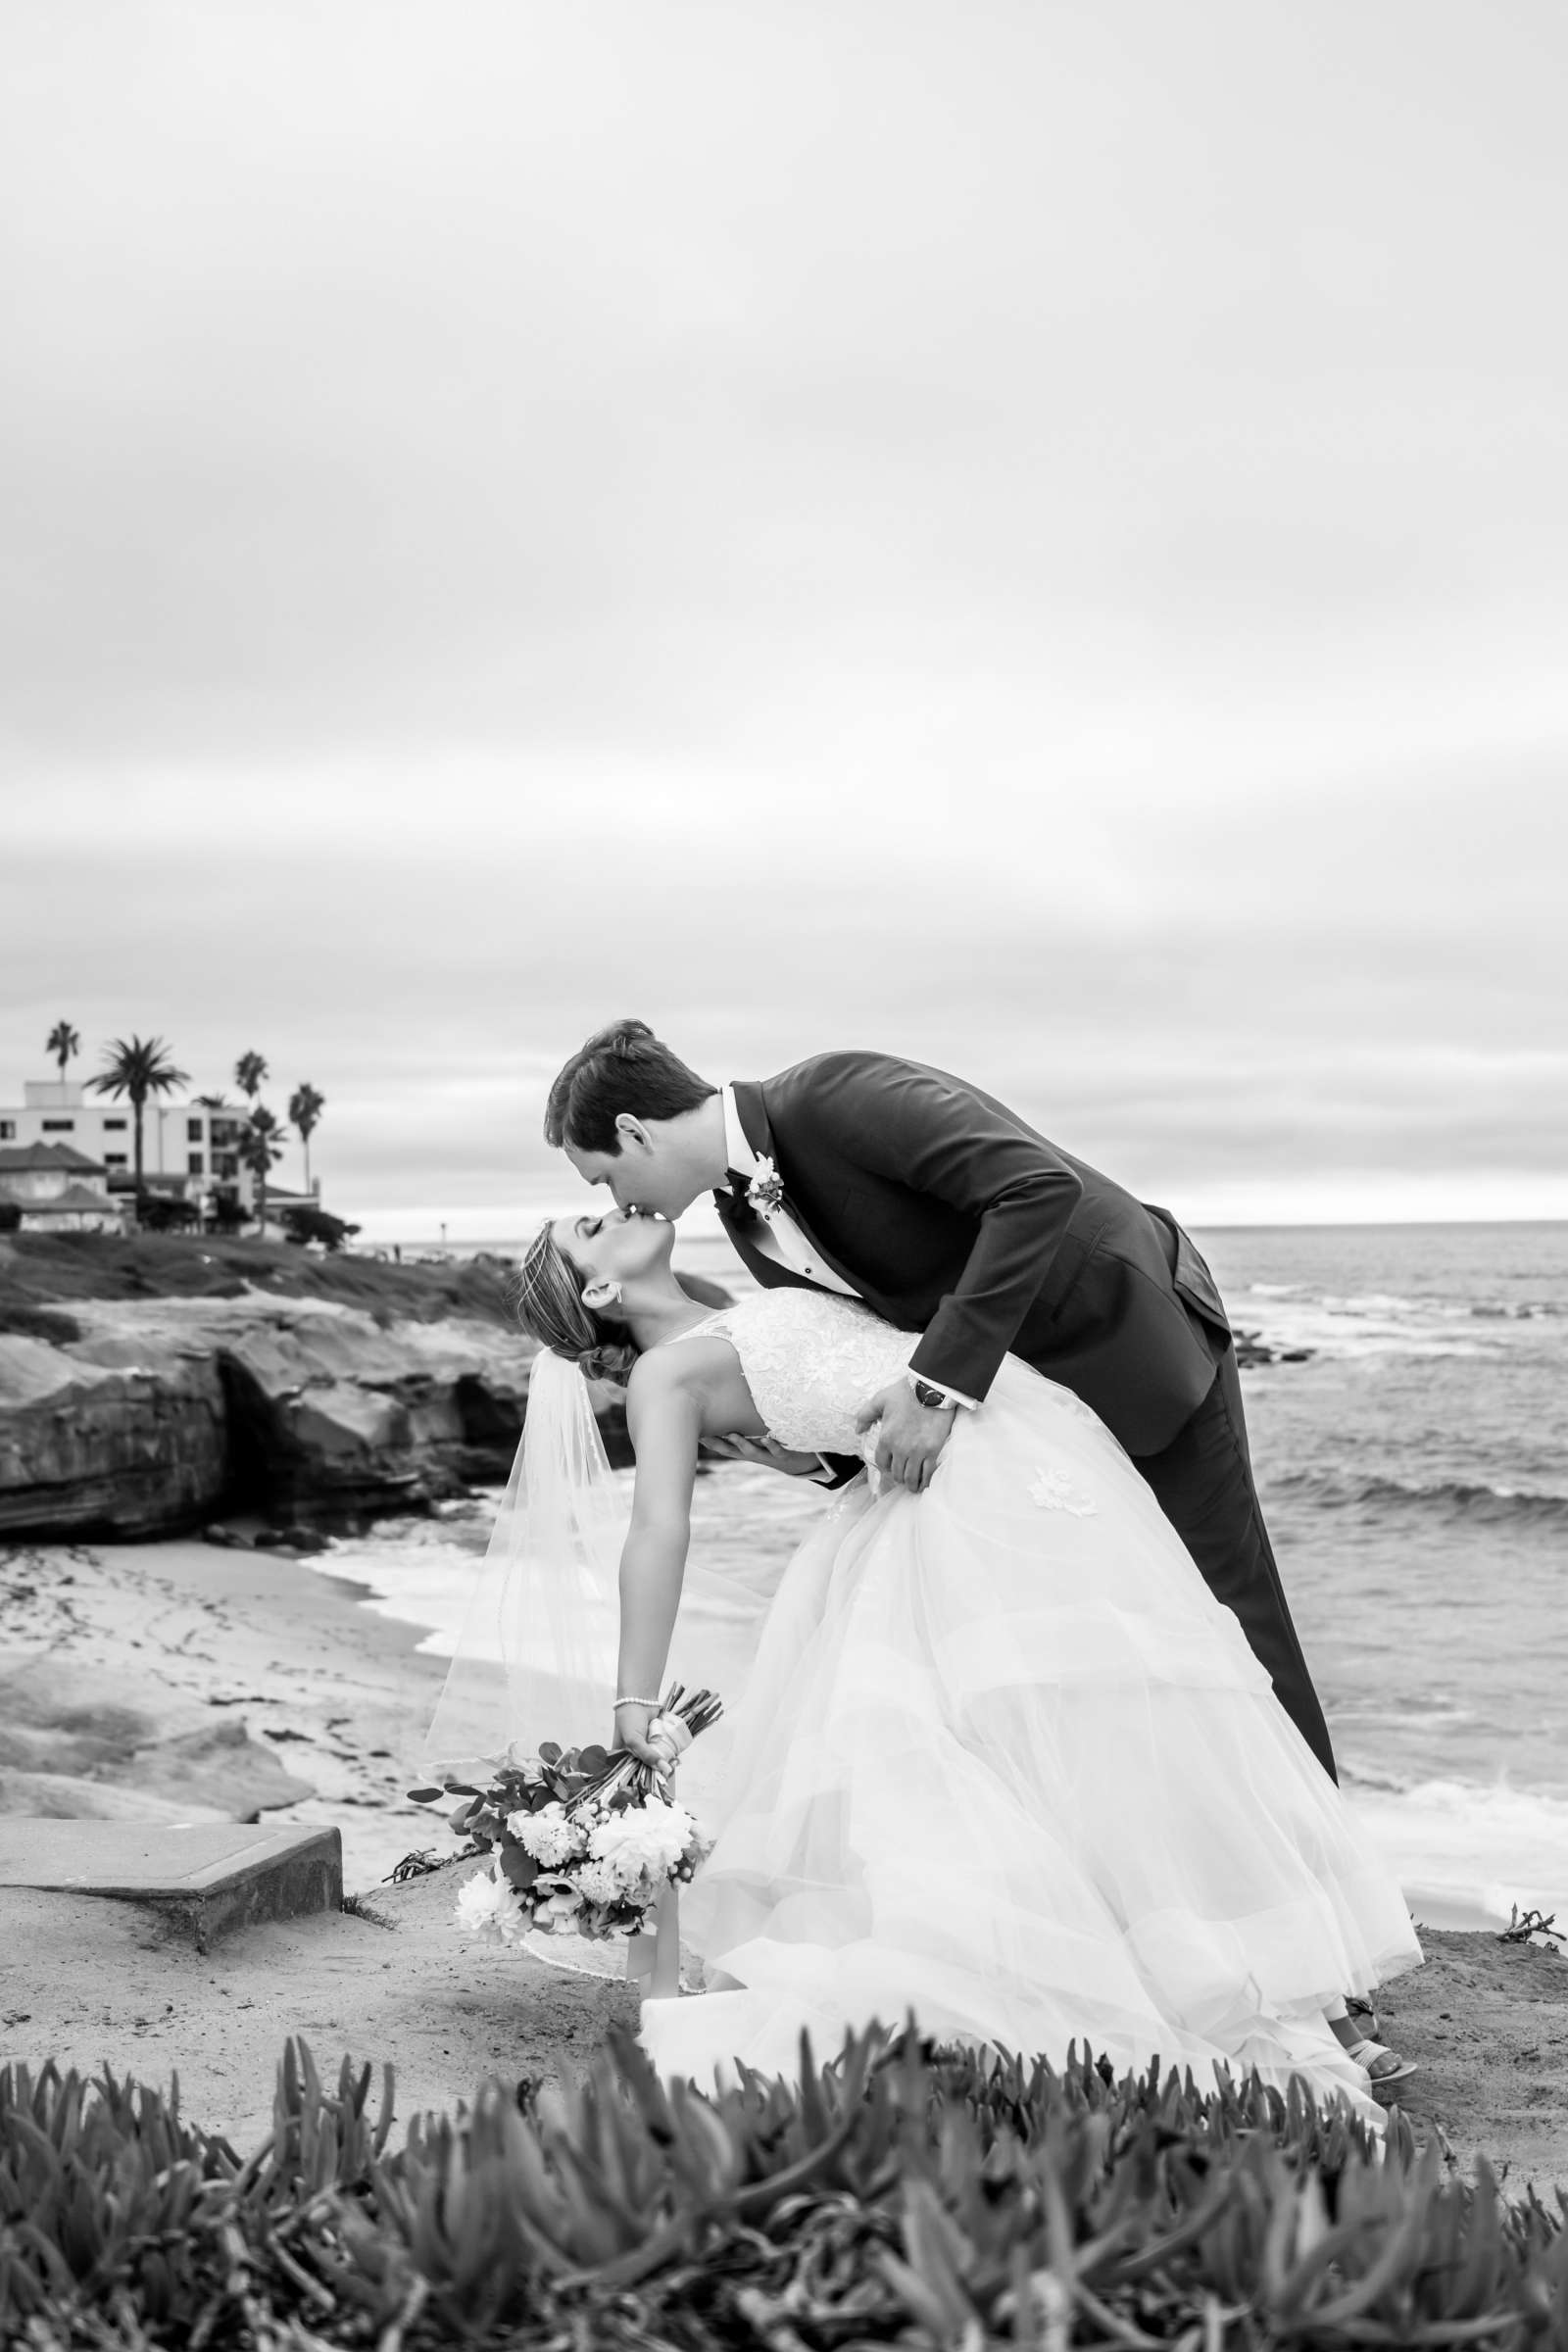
(1415, 1472)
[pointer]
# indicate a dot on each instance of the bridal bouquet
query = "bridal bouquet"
(582, 1840)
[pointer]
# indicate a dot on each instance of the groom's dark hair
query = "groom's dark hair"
(623, 1067)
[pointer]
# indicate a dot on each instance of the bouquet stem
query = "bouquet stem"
(696, 1712)
(664, 1977)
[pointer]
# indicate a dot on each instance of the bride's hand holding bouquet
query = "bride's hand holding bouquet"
(634, 1720)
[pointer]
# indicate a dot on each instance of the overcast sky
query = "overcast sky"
(1034, 535)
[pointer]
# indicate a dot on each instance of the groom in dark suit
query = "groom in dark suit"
(948, 1215)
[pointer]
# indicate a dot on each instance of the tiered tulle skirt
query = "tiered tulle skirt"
(1002, 1761)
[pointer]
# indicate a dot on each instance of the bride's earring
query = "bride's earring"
(601, 1295)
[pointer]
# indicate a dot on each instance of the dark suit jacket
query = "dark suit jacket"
(951, 1216)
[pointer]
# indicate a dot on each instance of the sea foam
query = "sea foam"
(1468, 1852)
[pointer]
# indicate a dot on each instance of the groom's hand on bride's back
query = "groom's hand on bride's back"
(910, 1435)
(766, 1453)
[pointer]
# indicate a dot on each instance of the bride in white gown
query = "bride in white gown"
(998, 1757)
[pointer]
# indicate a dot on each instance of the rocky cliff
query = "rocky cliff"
(161, 1412)
(135, 1442)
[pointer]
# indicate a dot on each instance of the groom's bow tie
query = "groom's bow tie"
(737, 1188)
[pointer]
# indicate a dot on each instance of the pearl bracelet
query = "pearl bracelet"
(639, 1702)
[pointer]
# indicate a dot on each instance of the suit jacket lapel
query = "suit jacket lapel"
(736, 1215)
(740, 1224)
(751, 1109)
(738, 1220)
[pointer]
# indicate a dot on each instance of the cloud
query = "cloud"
(1030, 536)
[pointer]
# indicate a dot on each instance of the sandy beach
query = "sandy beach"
(241, 1666)
(258, 1681)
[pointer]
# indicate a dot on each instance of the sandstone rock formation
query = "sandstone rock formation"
(135, 1442)
(167, 1411)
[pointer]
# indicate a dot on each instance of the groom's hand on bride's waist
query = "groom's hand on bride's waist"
(910, 1435)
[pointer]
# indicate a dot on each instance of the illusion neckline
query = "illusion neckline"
(691, 1331)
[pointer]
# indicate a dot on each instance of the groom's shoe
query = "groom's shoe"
(1364, 2015)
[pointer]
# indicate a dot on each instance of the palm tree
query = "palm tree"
(136, 1067)
(250, 1071)
(305, 1108)
(261, 1146)
(63, 1044)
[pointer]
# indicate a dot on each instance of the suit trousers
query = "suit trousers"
(1203, 1482)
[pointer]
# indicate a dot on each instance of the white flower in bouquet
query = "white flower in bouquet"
(551, 1836)
(558, 1914)
(649, 1837)
(514, 1924)
(600, 1883)
(485, 1905)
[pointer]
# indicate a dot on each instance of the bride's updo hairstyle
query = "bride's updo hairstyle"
(550, 1308)
(623, 1067)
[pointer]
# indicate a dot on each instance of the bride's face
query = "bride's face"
(614, 1245)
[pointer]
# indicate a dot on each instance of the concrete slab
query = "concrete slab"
(203, 1878)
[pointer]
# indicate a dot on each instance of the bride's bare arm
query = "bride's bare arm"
(664, 1419)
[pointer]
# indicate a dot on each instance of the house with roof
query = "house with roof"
(57, 1189)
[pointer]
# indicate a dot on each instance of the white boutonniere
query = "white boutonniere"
(765, 1191)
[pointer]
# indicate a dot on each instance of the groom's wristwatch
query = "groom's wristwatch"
(932, 1398)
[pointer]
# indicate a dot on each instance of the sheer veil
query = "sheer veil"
(536, 1657)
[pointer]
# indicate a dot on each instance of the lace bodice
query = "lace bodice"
(811, 1360)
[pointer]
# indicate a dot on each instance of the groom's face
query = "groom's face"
(646, 1173)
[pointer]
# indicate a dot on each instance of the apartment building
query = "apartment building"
(187, 1140)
